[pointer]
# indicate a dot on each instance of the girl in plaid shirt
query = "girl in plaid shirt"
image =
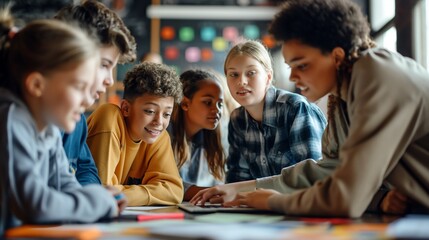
(273, 128)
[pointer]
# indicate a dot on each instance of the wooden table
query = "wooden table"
(216, 226)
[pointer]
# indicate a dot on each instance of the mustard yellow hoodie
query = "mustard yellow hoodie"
(146, 173)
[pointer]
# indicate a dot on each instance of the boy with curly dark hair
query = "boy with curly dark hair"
(377, 131)
(129, 143)
(116, 46)
(102, 23)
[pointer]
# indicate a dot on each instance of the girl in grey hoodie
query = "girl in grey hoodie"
(47, 73)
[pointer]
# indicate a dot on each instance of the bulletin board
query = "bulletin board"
(189, 44)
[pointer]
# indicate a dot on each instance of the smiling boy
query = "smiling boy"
(129, 143)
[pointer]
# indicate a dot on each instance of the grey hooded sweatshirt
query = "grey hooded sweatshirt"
(35, 183)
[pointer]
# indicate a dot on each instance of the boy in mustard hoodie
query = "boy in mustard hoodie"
(129, 143)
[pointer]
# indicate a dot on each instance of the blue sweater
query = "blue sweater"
(80, 158)
(36, 186)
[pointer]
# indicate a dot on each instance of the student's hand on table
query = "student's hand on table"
(216, 194)
(256, 199)
(192, 190)
(394, 202)
(120, 198)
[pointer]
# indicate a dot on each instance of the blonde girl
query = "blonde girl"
(50, 68)
(273, 128)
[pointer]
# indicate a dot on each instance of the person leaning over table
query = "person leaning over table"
(377, 132)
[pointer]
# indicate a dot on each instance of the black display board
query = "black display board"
(189, 44)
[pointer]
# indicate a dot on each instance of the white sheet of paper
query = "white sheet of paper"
(412, 226)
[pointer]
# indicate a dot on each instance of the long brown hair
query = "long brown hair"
(191, 81)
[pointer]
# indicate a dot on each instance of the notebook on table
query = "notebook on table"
(147, 213)
(210, 208)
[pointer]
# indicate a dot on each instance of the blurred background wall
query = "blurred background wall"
(199, 33)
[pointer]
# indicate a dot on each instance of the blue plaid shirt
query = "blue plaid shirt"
(290, 132)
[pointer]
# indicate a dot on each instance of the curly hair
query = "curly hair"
(323, 24)
(104, 24)
(192, 81)
(152, 78)
(326, 24)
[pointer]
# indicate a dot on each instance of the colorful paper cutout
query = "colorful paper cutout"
(171, 53)
(269, 41)
(251, 32)
(219, 44)
(186, 34)
(192, 54)
(230, 33)
(208, 33)
(206, 54)
(168, 33)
